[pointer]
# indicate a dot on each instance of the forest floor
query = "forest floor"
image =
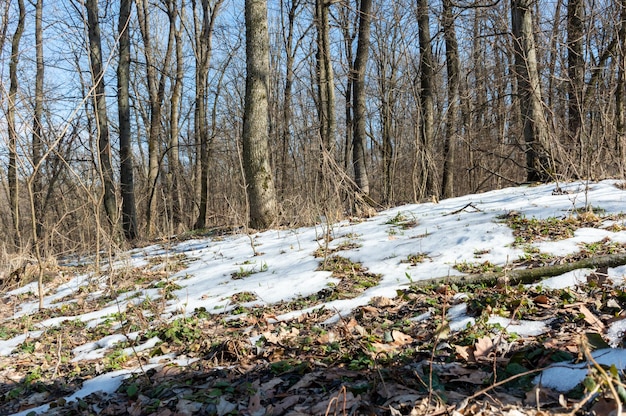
(142, 337)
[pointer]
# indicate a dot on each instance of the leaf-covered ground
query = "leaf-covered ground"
(392, 356)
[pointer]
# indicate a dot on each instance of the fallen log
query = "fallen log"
(527, 276)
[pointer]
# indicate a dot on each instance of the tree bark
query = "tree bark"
(453, 69)
(427, 103)
(99, 102)
(359, 137)
(576, 82)
(37, 137)
(620, 91)
(156, 92)
(535, 128)
(527, 276)
(326, 79)
(260, 184)
(203, 40)
(173, 154)
(12, 170)
(285, 133)
(127, 183)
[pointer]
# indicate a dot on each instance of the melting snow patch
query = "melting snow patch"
(521, 327)
(565, 376)
(7, 347)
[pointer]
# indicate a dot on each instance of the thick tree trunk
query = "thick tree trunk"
(359, 137)
(427, 103)
(260, 184)
(576, 82)
(535, 128)
(102, 121)
(13, 146)
(127, 183)
(453, 69)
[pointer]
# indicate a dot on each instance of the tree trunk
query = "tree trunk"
(127, 183)
(37, 137)
(156, 92)
(620, 92)
(359, 137)
(256, 157)
(427, 102)
(102, 121)
(285, 133)
(326, 82)
(13, 146)
(576, 82)
(203, 40)
(173, 154)
(535, 128)
(453, 69)
(4, 26)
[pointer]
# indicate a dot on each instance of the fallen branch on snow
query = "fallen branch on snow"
(526, 276)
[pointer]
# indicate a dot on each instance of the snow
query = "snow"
(283, 266)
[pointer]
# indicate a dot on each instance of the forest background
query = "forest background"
(124, 121)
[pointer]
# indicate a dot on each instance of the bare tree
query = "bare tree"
(37, 134)
(325, 77)
(620, 90)
(576, 73)
(13, 136)
(4, 25)
(535, 128)
(127, 182)
(173, 155)
(100, 107)
(203, 32)
(359, 136)
(453, 66)
(260, 184)
(156, 92)
(427, 186)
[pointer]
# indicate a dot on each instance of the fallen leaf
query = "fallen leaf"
(591, 319)
(400, 338)
(381, 301)
(482, 348)
(305, 381)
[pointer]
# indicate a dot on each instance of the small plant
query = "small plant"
(415, 259)
(242, 273)
(402, 221)
(484, 267)
(243, 297)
